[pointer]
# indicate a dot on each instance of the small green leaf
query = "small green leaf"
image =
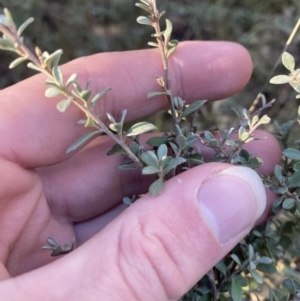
(85, 94)
(144, 20)
(173, 164)
(82, 141)
(98, 96)
(111, 118)
(295, 85)
(221, 267)
(63, 104)
(156, 187)
(127, 166)
(256, 276)
(289, 203)
(250, 252)
(71, 79)
(7, 45)
(294, 180)
(116, 149)
(116, 127)
(162, 152)
(181, 141)
(140, 128)
(90, 123)
(267, 268)
(150, 159)
(57, 74)
(155, 94)
(157, 141)
(16, 62)
(153, 44)
(144, 7)
(53, 59)
(146, 2)
(292, 153)
(236, 290)
(278, 173)
(168, 31)
(280, 79)
(24, 25)
(241, 280)
(172, 45)
(35, 67)
(209, 136)
(52, 92)
(149, 170)
(288, 61)
(236, 259)
(8, 15)
(265, 260)
(193, 107)
(196, 159)
(264, 119)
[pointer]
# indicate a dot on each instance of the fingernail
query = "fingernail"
(231, 202)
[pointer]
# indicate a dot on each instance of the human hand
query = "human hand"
(157, 248)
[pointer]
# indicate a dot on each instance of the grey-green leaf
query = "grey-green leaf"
(82, 141)
(236, 259)
(295, 85)
(52, 92)
(144, 7)
(256, 276)
(280, 79)
(63, 104)
(53, 59)
(98, 96)
(157, 141)
(57, 74)
(24, 25)
(153, 44)
(292, 153)
(140, 128)
(193, 107)
(162, 152)
(265, 260)
(294, 180)
(155, 94)
(289, 203)
(111, 118)
(173, 164)
(34, 67)
(236, 290)
(221, 267)
(71, 79)
(150, 159)
(168, 31)
(156, 187)
(149, 170)
(16, 62)
(288, 61)
(7, 45)
(144, 20)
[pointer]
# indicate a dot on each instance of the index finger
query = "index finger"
(34, 133)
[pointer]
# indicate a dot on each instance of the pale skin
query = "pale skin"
(43, 194)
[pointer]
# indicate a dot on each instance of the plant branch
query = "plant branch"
(163, 51)
(23, 51)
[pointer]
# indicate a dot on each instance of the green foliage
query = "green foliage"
(253, 259)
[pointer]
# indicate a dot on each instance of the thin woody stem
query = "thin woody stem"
(162, 48)
(23, 51)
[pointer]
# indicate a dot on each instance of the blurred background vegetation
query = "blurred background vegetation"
(110, 25)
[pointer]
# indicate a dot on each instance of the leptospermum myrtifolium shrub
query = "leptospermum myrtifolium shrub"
(253, 263)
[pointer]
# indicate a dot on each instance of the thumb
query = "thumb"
(160, 246)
